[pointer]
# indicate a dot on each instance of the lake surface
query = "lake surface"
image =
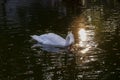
(95, 54)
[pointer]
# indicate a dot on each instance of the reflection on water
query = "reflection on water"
(82, 34)
(86, 44)
(49, 48)
(94, 56)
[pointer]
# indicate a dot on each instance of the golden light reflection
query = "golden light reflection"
(86, 43)
(85, 38)
(82, 34)
(85, 50)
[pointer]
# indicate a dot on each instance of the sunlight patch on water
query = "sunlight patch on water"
(85, 39)
(86, 44)
(82, 34)
(85, 50)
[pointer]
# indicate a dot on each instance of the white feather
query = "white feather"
(54, 39)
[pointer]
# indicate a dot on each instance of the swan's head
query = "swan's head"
(69, 39)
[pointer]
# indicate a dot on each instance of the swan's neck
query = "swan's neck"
(69, 39)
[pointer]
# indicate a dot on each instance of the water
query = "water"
(94, 56)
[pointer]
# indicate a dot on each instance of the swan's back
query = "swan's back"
(50, 39)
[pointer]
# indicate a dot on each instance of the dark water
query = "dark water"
(94, 56)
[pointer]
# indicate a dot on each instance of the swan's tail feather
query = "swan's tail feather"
(35, 37)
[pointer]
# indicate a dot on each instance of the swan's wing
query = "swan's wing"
(56, 38)
(53, 39)
(50, 39)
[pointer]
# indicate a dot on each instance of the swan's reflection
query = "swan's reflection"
(49, 48)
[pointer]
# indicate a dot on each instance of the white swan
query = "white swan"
(52, 39)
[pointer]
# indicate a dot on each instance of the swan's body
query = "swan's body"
(54, 39)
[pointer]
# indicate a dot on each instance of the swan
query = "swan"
(52, 39)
